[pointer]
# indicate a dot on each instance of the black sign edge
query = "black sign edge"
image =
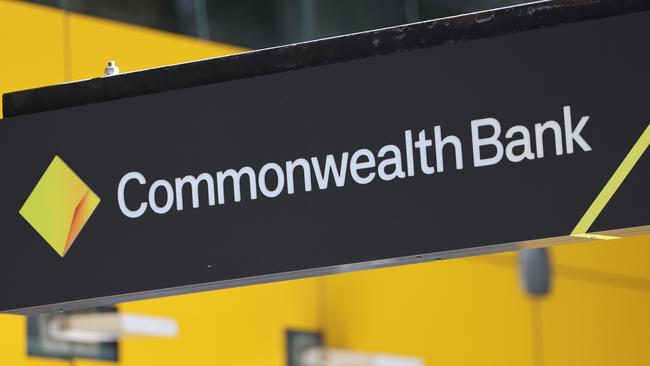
(354, 46)
(322, 271)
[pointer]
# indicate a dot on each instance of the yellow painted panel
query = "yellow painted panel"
(94, 41)
(627, 257)
(240, 326)
(13, 344)
(31, 38)
(455, 312)
(588, 323)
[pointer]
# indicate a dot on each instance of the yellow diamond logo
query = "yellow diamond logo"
(59, 206)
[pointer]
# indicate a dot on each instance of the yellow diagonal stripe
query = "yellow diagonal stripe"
(612, 185)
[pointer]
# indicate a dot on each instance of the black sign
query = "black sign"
(433, 152)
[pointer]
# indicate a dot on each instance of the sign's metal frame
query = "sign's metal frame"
(314, 272)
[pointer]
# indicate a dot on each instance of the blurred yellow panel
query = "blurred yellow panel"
(94, 41)
(12, 338)
(588, 323)
(241, 326)
(454, 312)
(13, 344)
(625, 257)
(32, 46)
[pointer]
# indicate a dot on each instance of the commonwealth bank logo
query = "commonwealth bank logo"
(59, 206)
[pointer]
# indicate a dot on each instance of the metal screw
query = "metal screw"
(111, 69)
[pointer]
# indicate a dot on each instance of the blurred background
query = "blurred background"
(456, 312)
(259, 24)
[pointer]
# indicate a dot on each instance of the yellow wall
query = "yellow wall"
(457, 312)
(598, 313)
(240, 327)
(472, 311)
